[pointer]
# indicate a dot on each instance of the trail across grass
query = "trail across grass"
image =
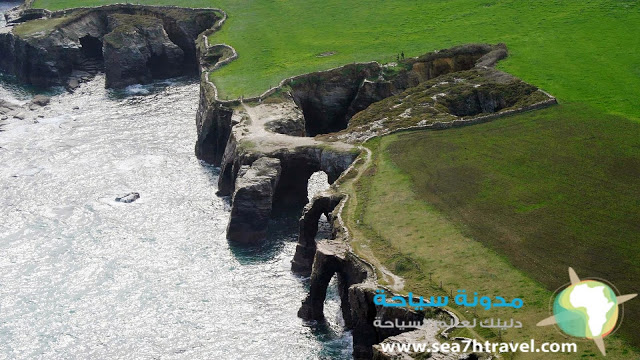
(578, 50)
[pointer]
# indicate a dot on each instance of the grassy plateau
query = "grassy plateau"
(501, 208)
(505, 208)
(564, 47)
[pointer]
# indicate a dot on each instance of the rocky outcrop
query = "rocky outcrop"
(325, 97)
(298, 164)
(288, 125)
(139, 43)
(333, 257)
(306, 248)
(137, 49)
(328, 99)
(356, 287)
(213, 125)
(8, 109)
(40, 100)
(252, 201)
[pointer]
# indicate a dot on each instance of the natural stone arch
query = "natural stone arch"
(320, 205)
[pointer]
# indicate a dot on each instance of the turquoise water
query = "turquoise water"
(85, 277)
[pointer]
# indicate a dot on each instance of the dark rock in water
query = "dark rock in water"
(129, 198)
(73, 84)
(40, 100)
(253, 201)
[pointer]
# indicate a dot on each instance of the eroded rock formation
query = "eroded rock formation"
(356, 287)
(306, 248)
(252, 200)
(136, 43)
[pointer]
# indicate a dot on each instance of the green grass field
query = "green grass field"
(564, 47)
(576, 203)
(454, 208)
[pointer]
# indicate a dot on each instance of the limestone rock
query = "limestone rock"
(252, 201)
(306, 248)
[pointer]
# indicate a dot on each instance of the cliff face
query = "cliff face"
(135, 43)
(306, 249)
(245, 137)
(290, 190)
(325, 97)
(253, 200)
(356, 287)
(137, 49)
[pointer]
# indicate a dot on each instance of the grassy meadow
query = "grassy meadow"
(564, 47)
(449, 210)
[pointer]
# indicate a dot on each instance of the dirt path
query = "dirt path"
(253, 127)
(395, 282)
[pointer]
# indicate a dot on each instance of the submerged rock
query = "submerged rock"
(129, 198)
(40, 100)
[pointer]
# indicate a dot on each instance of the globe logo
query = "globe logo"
(586, 309)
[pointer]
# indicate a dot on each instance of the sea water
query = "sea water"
(85, 277)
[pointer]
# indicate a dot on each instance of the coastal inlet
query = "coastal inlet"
(85, 276)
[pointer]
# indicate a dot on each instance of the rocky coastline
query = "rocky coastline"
(267, 147)
(235, 135)
(130, 43)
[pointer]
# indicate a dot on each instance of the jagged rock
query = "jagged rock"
(332, 257)
(137, 49)
(20, 116)
(298, 164)
(213, 124)
(49, 57)
(129, 198)
(356, 287)
(306, 248)
(252, 201)
(293, 126)
(325, 97)
(73, 84)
